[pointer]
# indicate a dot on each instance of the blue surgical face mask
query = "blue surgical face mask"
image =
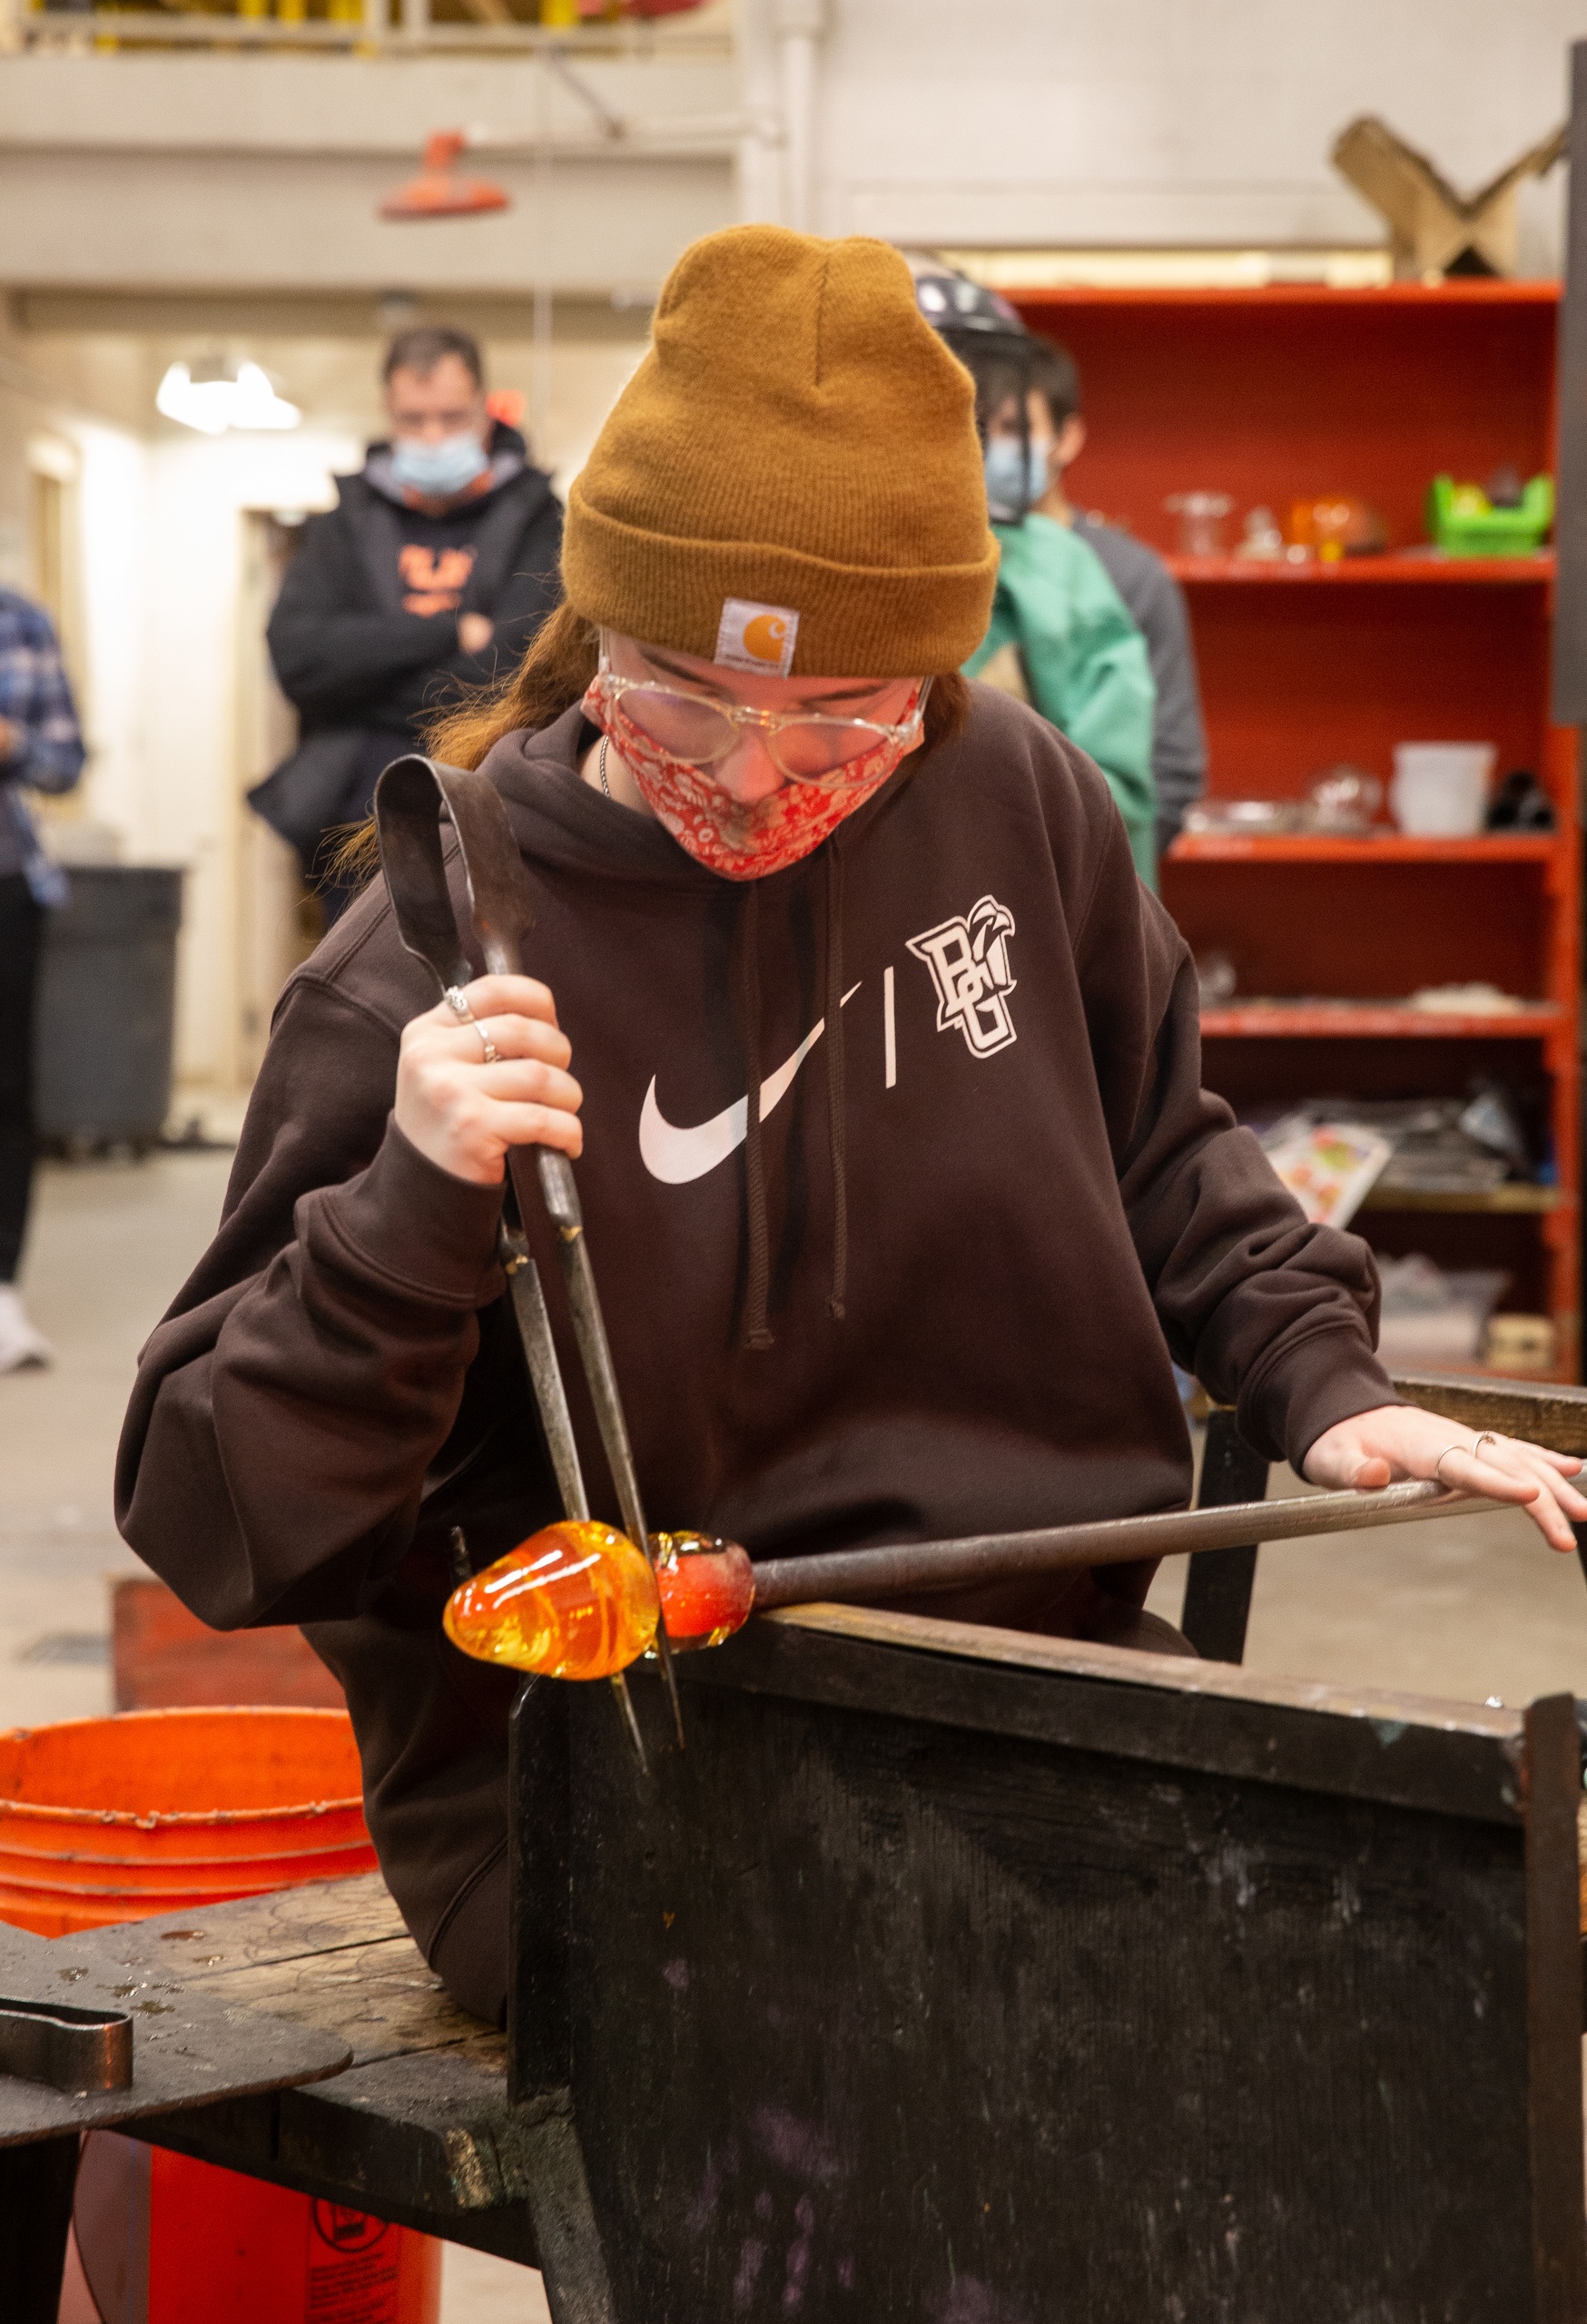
(438, 470)
(1016, 475)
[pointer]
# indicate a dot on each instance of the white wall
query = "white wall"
(1150, 121)
(190, 794)
(113, 508)
(158, 558)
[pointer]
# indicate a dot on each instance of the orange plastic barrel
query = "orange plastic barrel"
(161, 1811)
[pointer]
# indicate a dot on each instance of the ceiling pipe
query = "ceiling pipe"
(610, 124)
(799, 26)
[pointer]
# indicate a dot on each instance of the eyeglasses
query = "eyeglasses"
(801, 745)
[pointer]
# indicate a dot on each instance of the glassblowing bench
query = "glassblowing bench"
(953, 1973)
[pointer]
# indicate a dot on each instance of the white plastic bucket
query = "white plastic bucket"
(1440, 790)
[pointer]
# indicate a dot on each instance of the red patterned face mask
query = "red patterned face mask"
(739, 840)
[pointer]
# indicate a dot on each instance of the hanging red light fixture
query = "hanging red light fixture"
(437, 192)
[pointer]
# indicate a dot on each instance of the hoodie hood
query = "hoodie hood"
(556, 815)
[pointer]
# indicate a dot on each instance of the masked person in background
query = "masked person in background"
(41, 749)
(1061, 636)
(432, 575)
(1156, 603)
(888, 1109)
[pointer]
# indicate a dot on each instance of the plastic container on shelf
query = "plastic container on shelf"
(1464, 522)
(107, 1007)
(1201, 521)
(1440, 790)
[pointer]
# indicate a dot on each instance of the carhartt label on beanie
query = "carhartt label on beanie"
(797, 446)
(757, 637)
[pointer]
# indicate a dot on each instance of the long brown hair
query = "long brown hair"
(555, 674)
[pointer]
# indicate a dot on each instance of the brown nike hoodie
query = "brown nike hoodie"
(938, 1294)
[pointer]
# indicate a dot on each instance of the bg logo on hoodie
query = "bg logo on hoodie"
(969, 961)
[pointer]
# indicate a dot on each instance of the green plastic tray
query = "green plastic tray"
(1492, 532)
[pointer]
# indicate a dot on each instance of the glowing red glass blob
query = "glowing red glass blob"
(707, 1587)
(575, 1601)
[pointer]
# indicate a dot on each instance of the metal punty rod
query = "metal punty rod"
(908, 1568)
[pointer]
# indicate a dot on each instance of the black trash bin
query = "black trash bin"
(107, 1007)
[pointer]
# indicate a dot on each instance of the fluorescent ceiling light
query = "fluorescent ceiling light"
(240, 396)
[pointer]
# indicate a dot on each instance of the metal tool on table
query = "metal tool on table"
(409, 797)
(77, 2050)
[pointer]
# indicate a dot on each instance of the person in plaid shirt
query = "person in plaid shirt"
(41, 749)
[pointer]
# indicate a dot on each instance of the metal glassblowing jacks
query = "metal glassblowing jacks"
(409, 800)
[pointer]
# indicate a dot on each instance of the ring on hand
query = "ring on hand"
(461, 1009)
(1488, 1436)
(1438, 1464)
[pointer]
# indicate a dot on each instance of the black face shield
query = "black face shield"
(985, 332)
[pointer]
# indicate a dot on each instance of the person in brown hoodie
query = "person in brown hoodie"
(900, 1178)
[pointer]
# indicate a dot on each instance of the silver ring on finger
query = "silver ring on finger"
(1438, 1464)
(1488, 1436)
(456, 1002)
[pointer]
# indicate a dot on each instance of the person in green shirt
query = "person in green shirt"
(1062, 636)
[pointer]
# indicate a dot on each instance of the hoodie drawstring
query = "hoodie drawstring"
(757, 1332)
(836, 1130)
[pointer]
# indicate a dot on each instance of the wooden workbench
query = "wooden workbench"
(417, 2129)
(953, 1969)
(189, 2044)
(955, 1957)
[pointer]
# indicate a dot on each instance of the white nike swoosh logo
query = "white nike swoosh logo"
(676, 1156)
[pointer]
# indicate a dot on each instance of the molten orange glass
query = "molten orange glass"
(707, 1587)
(575, 1601)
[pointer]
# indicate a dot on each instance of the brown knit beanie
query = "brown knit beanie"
(798, 442)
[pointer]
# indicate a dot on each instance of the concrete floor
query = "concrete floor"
(1473, 1609)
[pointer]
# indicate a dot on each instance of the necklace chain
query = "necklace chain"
(601, 768)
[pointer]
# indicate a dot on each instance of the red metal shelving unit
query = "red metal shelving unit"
(1292, 392)
(1373, 571)
(1385, 846)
